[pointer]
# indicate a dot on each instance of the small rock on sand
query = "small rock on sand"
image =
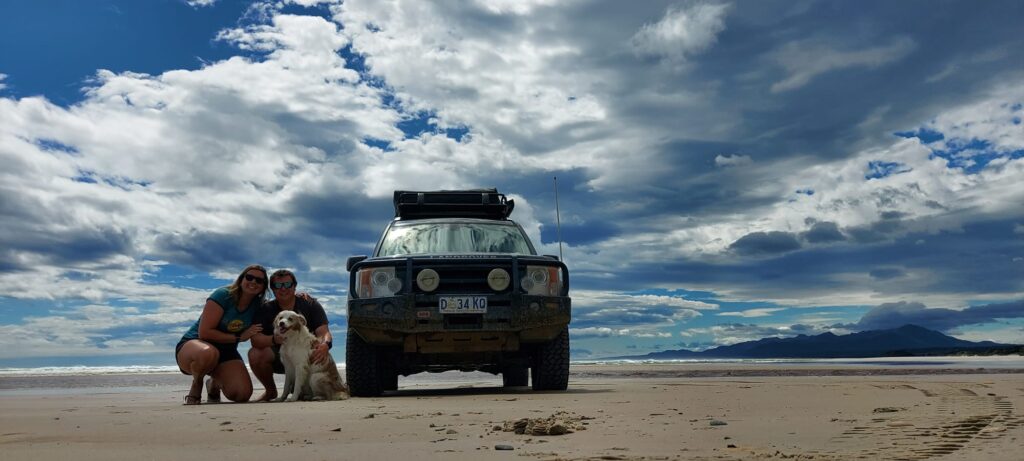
(503, 447)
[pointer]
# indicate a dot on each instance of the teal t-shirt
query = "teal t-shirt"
(232, 321)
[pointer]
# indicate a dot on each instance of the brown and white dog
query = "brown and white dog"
(316, 381)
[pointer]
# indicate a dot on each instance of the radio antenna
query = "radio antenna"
(558, 220)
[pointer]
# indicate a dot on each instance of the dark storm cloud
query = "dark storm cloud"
(206, 251)
(894, 315)
(977, 259)
(765, 243)
(823, 232)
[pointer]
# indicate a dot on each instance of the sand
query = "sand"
(643, 412)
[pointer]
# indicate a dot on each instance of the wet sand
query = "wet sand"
(638, 412)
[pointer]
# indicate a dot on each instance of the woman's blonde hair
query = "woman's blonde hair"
(235, 290)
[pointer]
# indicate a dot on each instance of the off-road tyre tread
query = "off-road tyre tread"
(361, 370)
(551, 364)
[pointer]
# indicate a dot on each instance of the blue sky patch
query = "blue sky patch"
(925, 135)
(879, 169)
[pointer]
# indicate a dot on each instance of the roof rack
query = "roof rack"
(472, 203)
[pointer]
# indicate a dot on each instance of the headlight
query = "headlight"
(542, 281)
(377, 282)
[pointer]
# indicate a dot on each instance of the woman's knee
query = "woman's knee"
(238, 392)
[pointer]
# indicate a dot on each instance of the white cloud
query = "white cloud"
(200, 3)
(807, 59)
(751, 313)
(605, 332)
(2, 78)
(684, 31)
(732, 160)
(995, 118)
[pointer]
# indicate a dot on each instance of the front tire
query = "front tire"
(361, 368)
(551, 364)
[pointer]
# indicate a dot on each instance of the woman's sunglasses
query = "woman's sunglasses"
(279, 285)
(252, 278)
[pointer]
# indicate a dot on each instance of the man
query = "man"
(265, 354)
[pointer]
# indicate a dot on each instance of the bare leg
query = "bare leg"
(233, 378)
(262, 362)
(199, 359)
(212, 390)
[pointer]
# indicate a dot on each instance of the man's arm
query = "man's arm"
(266, 337)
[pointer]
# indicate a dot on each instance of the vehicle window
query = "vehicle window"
(451, 238)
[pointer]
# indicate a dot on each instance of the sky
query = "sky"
(726, 170)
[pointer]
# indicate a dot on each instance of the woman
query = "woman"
(210, 347)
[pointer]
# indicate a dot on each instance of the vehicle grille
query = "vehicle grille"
(460, 278)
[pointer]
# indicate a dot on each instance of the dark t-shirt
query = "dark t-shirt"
(311, 310)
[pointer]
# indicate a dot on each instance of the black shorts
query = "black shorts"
(227, 352)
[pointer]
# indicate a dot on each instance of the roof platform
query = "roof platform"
(472, 203)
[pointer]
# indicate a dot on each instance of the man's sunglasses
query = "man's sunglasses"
(279, 285)
(253, 278)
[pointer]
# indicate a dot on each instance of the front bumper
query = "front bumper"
(414, 321)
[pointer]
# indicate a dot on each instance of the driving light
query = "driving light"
(498, 279)
(428, 280)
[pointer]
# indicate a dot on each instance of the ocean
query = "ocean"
(145, 379)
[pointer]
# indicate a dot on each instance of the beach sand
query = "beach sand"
(637, 412)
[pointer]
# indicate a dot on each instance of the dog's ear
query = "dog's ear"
(302, 320)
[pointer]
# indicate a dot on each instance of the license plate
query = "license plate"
(462, 304)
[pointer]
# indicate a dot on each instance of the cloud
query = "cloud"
(805, 60)
(733, 333)
(752, 313)
(894, 315)
(2, 78)
(765, 243)
(605, 332)
(200, 3)
(631, 312)
(684, 31)
(823, 232)
(287, 153)
(732, 160)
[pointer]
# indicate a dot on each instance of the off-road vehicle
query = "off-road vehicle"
(453, 284)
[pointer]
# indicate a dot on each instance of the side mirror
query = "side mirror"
(552, 257)
(353, 260)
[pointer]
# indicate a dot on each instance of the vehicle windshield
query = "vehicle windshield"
(453, 238)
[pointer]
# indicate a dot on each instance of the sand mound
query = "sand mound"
(559, 423)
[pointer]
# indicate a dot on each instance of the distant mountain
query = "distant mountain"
(908, 340)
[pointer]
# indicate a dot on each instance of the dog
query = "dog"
(317, 381)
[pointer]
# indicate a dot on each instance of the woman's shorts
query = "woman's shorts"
(227, 352)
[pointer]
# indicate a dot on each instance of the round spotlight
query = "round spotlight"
(428, 280)
(498, 279)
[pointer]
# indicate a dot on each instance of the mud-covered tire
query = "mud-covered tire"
(515, 376)
(551, 364)
(361, 367)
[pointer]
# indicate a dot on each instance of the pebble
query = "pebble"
(715, 422)
(503, 447)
